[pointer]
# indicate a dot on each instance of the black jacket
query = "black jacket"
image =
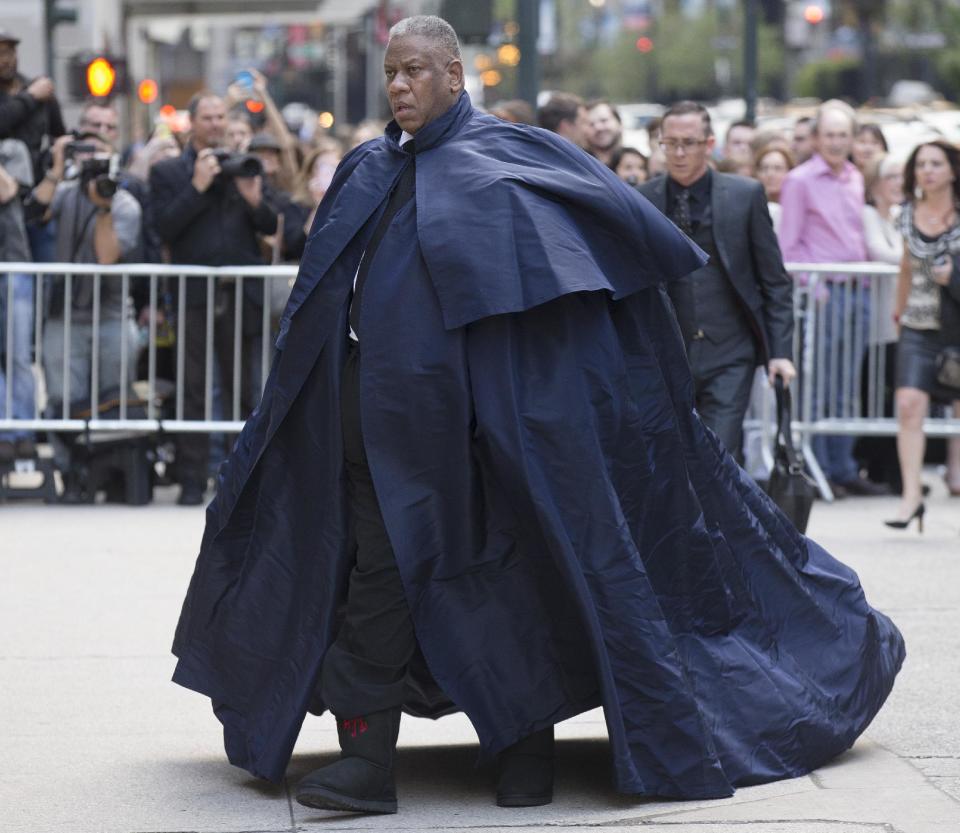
(294, 216)
(25, 118)
(750, 254)
(215, 228)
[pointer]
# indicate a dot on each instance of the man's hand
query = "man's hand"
(205, 170)
(235, 94)
(783, 368)
(58, 154)
(41, 88)
(95, 198)
(259, 83)
(251, 189)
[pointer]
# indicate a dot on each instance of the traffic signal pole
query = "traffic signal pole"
(750, 58)
(528, 72)
(52, 16)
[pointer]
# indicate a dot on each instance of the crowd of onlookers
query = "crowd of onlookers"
(836, 194)
(236, 189)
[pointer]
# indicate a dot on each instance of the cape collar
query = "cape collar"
(439, 130)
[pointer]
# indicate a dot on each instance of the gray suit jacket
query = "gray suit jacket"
(750, 254)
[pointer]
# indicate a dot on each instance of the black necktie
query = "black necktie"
(402, 193)
(682, 210)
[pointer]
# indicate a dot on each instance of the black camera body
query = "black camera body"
(238, 164)
(104, 172)
(102, 169)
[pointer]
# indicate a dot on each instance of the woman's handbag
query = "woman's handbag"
(790, 487)
(948, 359)
(948, 369)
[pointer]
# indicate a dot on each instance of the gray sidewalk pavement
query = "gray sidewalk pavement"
(96, 739)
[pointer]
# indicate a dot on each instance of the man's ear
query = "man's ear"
(455, 74)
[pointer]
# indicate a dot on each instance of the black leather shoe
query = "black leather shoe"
(362, 780)
(525, 776)
(861, 487)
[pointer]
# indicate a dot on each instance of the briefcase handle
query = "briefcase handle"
(784, 441)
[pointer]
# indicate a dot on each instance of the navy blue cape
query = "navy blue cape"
(567, 531)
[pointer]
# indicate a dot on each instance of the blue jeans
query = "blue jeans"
(839, 362)
(43, 241)
(79, 369)
(21, 352)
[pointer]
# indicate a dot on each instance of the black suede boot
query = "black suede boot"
(362, 780)
(525, 776)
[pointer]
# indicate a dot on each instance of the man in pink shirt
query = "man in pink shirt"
(822, 222)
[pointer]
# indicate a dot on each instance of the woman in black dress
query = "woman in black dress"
(928, 295)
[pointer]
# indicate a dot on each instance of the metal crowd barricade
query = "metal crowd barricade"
(841, 312)
(176, 278)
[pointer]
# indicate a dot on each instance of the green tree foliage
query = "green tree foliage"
(682, 64)
(827, 79)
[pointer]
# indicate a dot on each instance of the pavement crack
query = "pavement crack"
(740, 803)
(801, 825)
(932, 781)
(932, 757)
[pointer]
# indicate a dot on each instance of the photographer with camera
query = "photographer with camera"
(16, 302)
(30, 112)
(96, 222)
(209, 209)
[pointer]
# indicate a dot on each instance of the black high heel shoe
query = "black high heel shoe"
(918, 513)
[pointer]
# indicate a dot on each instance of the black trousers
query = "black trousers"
(722, 377)
(365, 669)
(193, 449)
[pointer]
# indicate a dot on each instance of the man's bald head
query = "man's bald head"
(423, 70)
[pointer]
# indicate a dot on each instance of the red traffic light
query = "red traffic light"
(101, 76)
(645, 44)
(813, 14)
(147, 91)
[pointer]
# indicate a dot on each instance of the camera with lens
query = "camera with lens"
(88, 164)
(238, 164)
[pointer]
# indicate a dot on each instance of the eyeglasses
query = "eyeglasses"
(673, 145)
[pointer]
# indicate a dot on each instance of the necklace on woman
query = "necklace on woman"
(940, 223)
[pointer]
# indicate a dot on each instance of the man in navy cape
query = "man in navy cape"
(476, 482)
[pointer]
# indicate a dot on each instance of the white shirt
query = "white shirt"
(884, 245)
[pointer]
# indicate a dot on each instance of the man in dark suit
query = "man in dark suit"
(209, 218)
(735, 312)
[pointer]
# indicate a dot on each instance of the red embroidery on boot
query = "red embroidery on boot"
(355, 726)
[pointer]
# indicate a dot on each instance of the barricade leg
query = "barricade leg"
(193, 447)
(838, 351)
